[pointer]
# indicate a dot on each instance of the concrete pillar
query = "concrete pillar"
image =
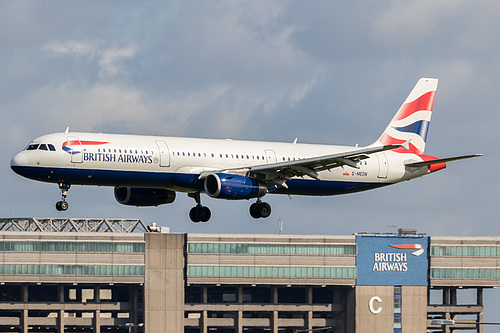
(446, 296)
(274, 322)
(275, 295)
(479, 296)
(164, 283)
(24, 293)
(96, 322)
(24, 321)
(480, 320)
(60, 293)
(309, 314)
(204, 323)
(97, 292)
(308, 320)
(453, 296)
(239, 322)
(60, 321)
(204, 294)
(239, 295)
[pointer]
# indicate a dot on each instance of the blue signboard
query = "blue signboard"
(392, 260)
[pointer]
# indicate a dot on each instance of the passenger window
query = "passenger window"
(43, 146)
(33, 146)
(51, 147)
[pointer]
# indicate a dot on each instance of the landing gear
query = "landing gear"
(199, 213)
(260, 209)
(63, 205)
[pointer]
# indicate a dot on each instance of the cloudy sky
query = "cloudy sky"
(331, 72)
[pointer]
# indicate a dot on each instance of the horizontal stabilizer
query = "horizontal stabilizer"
(441, 160)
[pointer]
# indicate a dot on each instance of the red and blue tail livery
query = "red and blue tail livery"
(150, 170)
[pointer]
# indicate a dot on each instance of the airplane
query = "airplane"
(149, 170)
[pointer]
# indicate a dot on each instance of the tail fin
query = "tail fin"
(411, 122)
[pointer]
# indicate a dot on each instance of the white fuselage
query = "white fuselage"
(175, 163)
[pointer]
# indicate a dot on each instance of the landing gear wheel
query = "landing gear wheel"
(200, 214)
(193, 215)
(62, 206)
(253, 210)
(260, 209)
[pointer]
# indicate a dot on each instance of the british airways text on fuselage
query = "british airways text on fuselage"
(117, 158)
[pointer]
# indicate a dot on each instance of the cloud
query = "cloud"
(408, 23)
(108, 57)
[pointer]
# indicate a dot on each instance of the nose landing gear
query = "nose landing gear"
(260, 209)
(63, 205)
(199, 213)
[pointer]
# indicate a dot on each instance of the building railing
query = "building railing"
(72, 225)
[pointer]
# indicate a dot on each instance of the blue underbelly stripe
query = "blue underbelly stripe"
(177, 181)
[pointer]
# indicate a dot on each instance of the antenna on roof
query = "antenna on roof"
(67, 130)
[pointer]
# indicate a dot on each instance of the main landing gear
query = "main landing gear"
(199, 213)
(260, 209)
(63, 205)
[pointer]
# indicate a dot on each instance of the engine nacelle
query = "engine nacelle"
(234, 187)
(135, 196)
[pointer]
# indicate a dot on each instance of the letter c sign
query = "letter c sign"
(371, 305)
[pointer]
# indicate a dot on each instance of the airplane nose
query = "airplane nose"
(19, 160)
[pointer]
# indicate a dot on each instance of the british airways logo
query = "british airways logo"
(79, 147)
(75, 146)
(419, 248)
(395, 261)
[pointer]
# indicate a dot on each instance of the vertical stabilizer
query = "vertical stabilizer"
(411, 122)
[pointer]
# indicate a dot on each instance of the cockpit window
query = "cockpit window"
(33, 146)
(43, 146)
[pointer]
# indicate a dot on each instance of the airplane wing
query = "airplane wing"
(278, 173)
(311, 166)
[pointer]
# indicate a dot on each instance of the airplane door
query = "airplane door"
(164, 153)
(270, 156)
(75, 149)
(383, 165)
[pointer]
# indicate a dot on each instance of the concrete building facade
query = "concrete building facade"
(146, 281)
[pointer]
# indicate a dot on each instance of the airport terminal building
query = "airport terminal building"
(104, 275)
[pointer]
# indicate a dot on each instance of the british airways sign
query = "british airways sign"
(392, 260)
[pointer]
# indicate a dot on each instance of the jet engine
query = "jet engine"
(135, 196)
(234, 187)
